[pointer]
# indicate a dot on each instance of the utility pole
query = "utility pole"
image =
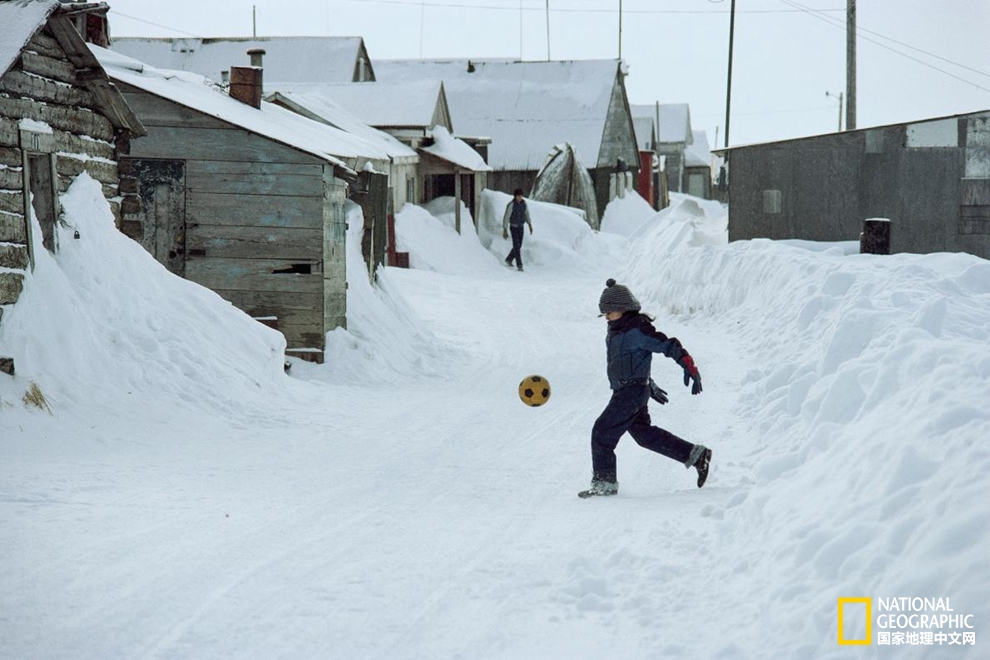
(850, 65)
(828, 93)
(728, 85)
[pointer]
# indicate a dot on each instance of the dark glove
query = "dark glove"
(505, 234)
(657, 394)
(691, 374)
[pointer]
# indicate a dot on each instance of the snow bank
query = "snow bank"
(384, 336)
(859, 448)
(561, 240)
(83, 327)
(428, 234)
(626, 215)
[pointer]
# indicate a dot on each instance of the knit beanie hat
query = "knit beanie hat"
(617, 298)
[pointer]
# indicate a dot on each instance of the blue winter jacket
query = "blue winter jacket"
(631, 342)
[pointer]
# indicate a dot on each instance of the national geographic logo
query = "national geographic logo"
(904, 621)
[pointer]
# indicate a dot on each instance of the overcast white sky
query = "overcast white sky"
(916, 58)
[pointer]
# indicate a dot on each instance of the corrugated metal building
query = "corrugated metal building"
(931, 178)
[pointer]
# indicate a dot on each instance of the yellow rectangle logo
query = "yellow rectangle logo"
(869, 620)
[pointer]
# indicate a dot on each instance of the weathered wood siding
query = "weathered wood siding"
(254, 217)
(43, 85)
(508, 180)
(618, 141)
(334, 253)
(399, 178)
(673, 157)
(823, 187)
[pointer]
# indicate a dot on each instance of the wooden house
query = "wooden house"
(416, 114)
(59, 116)
(648, 183)
(698, 166)
(288, 59)
(243, 196)
(673, 138)
(403, 159)
(527, 108)
(378, 202)
(930, 178)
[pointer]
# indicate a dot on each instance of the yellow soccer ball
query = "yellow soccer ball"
(534, 390)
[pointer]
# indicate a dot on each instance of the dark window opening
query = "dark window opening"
(295, 269)
(42, 187)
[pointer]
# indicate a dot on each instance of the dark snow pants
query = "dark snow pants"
(517, 239)
(628, 410)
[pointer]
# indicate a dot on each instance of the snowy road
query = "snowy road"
(186, 500)
(421, 518)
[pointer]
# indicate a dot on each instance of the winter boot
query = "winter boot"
(700, 459)
(602, 485)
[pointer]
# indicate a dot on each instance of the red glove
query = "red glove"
(691, 374)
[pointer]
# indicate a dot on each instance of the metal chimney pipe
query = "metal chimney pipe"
(256, 55)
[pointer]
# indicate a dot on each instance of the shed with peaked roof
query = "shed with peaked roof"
(287, 59)
(243, 196)
(527, 108)
(59, 116)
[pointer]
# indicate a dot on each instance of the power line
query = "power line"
(814, 13)
(158, 25)
(573, 10)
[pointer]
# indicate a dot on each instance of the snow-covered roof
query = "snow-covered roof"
(675, 120)
(414, 104)
(675, 123)
(274, 122)
(455, 151)
(524, 107)
(319, 107)
(698, 154)
(20, 20)
(644, 132)
(287, 59)
(641, 110)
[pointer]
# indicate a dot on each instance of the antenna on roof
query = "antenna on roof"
(620, 29)
(548, 31)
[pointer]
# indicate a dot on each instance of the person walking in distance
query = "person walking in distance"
(516, 215)
(630, 344)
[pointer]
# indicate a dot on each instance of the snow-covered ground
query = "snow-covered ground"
(179, 496)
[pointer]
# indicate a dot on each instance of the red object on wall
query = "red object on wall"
(644, 186)
(393, 258)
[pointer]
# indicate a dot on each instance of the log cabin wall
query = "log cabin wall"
(67, 134)
(43, 85)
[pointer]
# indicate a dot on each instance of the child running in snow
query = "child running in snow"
(630, 343)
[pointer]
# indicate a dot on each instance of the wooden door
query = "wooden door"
(162, 188)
